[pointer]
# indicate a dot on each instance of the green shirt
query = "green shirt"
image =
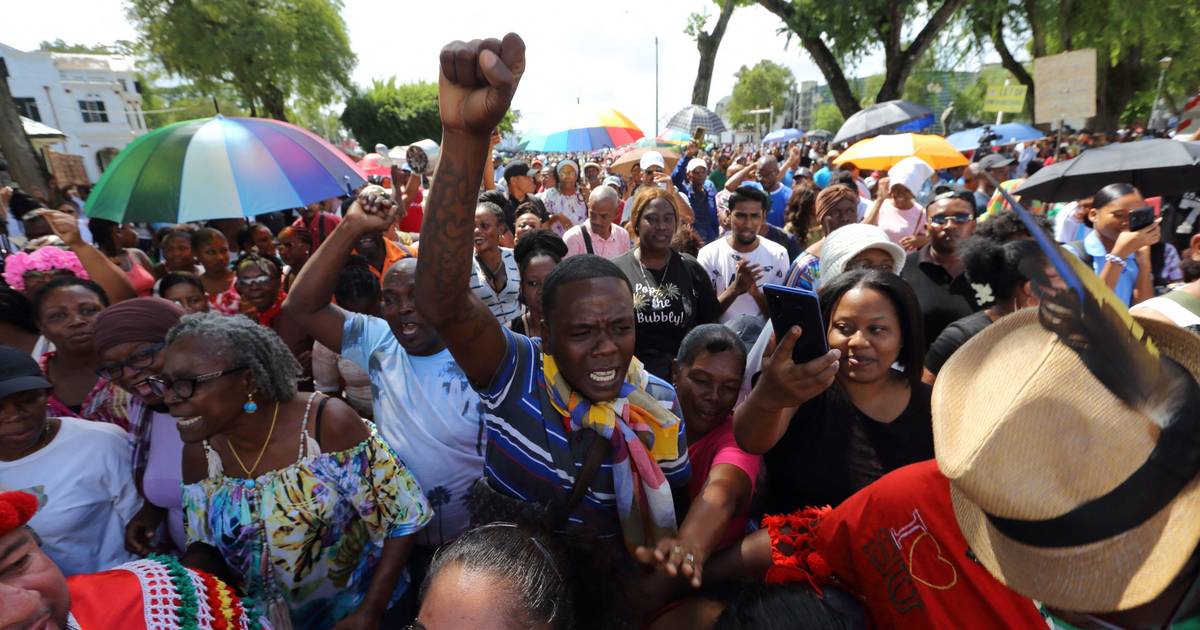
(718, 179)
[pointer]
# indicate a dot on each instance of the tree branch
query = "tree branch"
(900, 66)
(843, 96)
(1010, 62)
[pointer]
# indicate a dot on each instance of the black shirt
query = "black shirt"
(953, 337)
(944, 299)
(832, 450)
(786, 240)
(667, 303)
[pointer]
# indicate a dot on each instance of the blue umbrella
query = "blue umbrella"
(1008, 133)
(783, 135)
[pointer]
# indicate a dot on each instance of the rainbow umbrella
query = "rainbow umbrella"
(587, 131)
(220, 168)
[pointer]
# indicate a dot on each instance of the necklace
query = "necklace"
(655, 288)
(492, 274)
(267, 442)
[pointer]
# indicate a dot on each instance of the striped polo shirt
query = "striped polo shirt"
(533, 458)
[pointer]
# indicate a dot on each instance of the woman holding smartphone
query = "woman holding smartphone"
(829, 427)
(1118, 252)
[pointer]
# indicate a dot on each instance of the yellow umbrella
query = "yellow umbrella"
(882, 152)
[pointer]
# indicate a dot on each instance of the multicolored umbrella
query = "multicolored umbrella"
(587, 131)
(692, 116)
(883, 152)
(220, 168)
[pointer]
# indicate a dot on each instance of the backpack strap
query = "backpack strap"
(587, 238)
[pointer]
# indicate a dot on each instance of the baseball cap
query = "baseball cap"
(516, 168)
(696, 163)
(653, 158)
(994, 160)
(20, 373)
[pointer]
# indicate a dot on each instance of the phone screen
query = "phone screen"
(797, 307)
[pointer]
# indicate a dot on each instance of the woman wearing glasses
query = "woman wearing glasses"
(130, 337)
(295, 494)
(259, 281)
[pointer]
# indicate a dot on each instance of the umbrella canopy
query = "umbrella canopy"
(819, 134)
(783, 135)
(220, 168)
(370, 165)
(626, 162)
(692, 116)
(1007, 133)
(587, 131)
(883, 118)
(1155, 167)
(882, 152)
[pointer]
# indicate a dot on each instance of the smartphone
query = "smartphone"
(797, 307)
(1139, 218)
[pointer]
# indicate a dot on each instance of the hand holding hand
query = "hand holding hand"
(477, 82)
(674, 557)
(786, 384)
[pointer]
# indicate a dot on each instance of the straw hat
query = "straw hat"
(1027, 434)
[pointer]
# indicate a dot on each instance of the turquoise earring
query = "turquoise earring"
(250, 406)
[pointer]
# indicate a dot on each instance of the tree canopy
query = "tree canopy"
(395, 114)
(269, 51)
(767, 84)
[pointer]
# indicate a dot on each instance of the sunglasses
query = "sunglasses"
(254, 283)
(136, 361)
(943, 219)
(185, 388)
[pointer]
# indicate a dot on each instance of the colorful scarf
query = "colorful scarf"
(642, 433)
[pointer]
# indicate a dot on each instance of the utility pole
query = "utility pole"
(23, 163)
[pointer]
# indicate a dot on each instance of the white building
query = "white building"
(93, 99)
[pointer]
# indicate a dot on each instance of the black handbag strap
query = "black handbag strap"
(587, 238)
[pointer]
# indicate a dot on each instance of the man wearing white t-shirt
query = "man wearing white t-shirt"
(424, 406)
(740, 262)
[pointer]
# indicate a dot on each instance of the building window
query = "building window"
(28, 108)
(93, 111)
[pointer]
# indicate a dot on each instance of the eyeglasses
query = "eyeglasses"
(943, 219)
(185, 388)
(137, 361)
(254, 283)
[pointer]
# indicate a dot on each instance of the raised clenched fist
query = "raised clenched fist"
(477, 82)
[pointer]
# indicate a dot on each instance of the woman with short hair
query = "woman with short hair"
(299, 496)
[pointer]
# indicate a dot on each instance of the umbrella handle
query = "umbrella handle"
(349, 189)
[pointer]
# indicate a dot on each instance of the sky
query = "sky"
(599, 54)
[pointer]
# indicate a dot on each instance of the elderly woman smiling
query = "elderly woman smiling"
(297, 494)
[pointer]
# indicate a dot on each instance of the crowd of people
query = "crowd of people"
(535, 394)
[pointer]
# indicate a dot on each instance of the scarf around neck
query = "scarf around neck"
(642, 433)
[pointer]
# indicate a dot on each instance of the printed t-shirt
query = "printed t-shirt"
(720, 261)
(896, 544)
(718, 446)
(534, 459)
(86, 500)
(832, 450)
(427, 412)
(667, 303)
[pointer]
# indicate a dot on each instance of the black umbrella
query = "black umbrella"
(1154, 167)
(692, 116)
(882, 118)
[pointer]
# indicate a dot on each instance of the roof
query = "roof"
(35, 129)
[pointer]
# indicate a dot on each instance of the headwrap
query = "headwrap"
(642, 433)
(564, 163)
(911, 172)
(44, 259)
(831, 196)
(141, 319)
(16, 508)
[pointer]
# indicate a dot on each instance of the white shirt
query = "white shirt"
(573, 207)
(721, 261)
(83, 480)
(428, 413)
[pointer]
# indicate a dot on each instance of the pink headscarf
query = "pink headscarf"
(44, 259)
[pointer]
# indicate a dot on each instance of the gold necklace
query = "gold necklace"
(250, 472)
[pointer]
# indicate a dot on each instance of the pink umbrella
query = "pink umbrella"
(371, 166)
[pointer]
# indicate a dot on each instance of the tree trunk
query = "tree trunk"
(1037, 33)
(1011, 64)
(707, 44)
(273, 103)
(23, 162)
(899, 63)
(839, 87)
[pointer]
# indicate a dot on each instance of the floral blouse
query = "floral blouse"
(106, 402)
(227, 302)
(313, 532)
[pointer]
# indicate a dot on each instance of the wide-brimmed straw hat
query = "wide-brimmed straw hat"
(1048, 469)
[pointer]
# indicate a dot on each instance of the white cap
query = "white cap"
(694, 164)
(653, 158)
(911, 172)
(849, 241)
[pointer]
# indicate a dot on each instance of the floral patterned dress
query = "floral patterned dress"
(311, 533)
